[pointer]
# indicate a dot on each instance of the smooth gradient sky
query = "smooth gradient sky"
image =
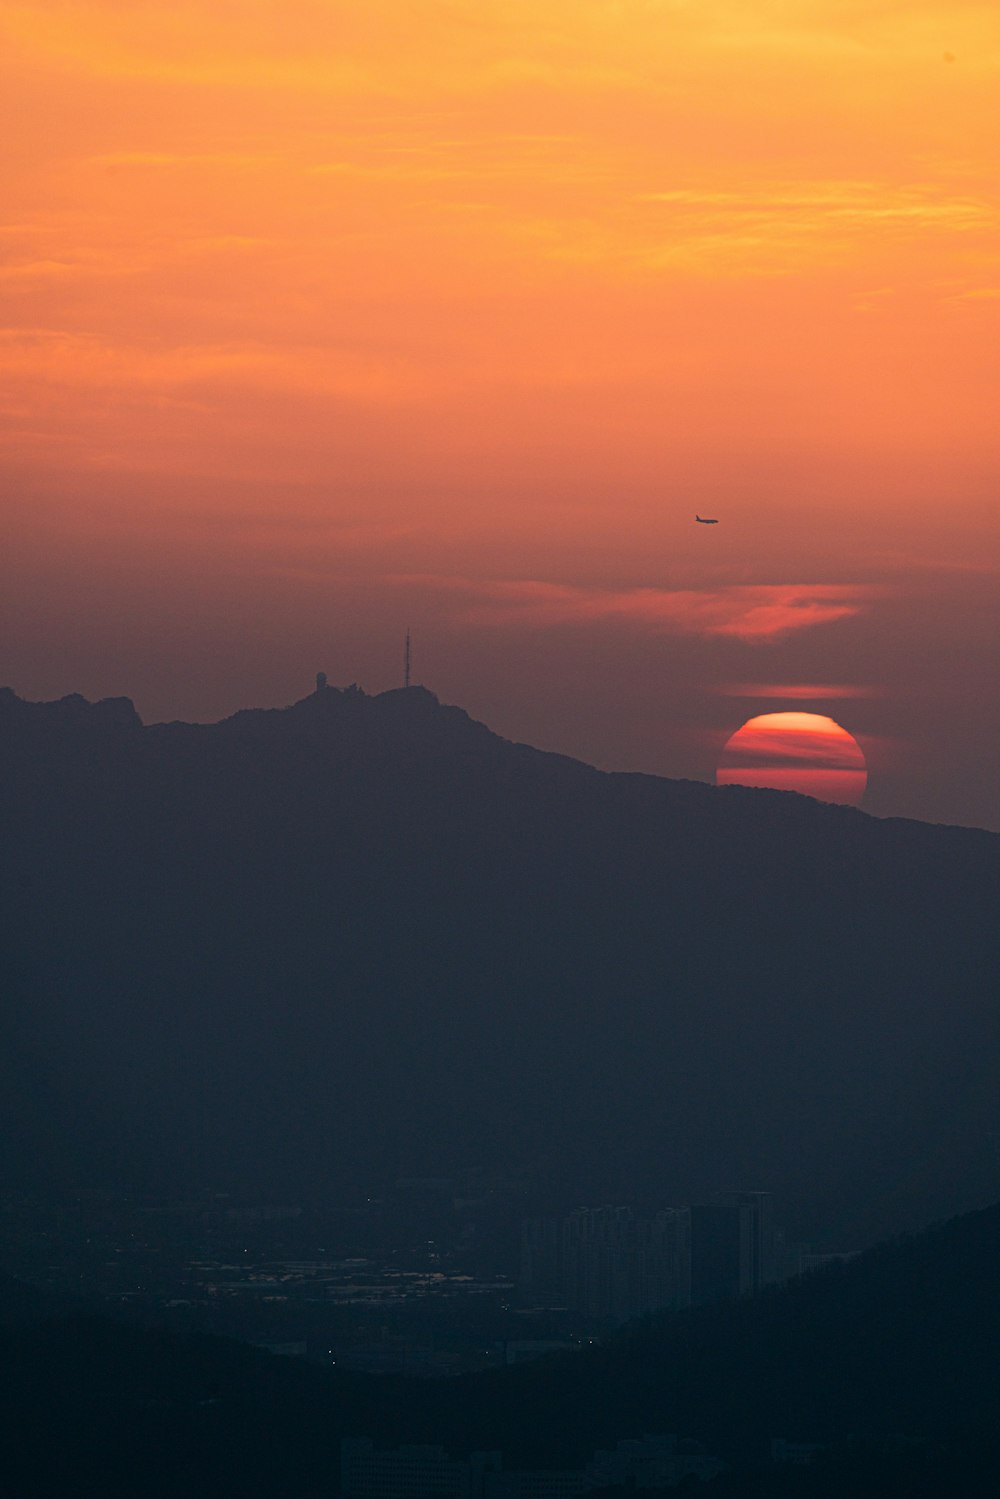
(321, 320)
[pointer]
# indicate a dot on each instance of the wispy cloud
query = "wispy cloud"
(780, 226)
(805, 206)
(759, 613)
(801, 692)
(35, 270)
(68, 359)
(228, 159)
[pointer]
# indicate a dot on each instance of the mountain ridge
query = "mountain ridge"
(75, 710)
(362, 937)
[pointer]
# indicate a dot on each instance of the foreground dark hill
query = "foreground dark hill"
(888, 1362)
(363, 937)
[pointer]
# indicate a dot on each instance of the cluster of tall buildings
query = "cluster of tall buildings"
(611, 1264)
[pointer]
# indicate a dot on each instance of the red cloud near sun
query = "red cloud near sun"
(751, 612)
(803, 692)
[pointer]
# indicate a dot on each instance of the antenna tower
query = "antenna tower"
(406, 661)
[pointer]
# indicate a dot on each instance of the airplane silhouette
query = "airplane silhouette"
(704, 520)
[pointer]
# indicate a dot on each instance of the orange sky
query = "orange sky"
(320, 319)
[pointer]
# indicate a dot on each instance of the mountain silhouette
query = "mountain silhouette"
(307, 949)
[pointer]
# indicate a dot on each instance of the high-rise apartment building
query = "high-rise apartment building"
(608, 1264)
(732, 1246)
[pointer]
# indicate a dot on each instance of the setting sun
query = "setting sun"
(324, 320)
(804, 752)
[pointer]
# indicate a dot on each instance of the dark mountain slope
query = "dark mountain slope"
(897, 1343)
(365, 936)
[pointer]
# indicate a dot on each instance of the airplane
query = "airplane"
(704, 520)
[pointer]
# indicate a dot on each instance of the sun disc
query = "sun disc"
(804, 752)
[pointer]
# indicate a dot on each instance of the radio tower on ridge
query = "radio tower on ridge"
(406, 661)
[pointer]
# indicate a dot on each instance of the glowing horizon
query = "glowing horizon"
(320, 320)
